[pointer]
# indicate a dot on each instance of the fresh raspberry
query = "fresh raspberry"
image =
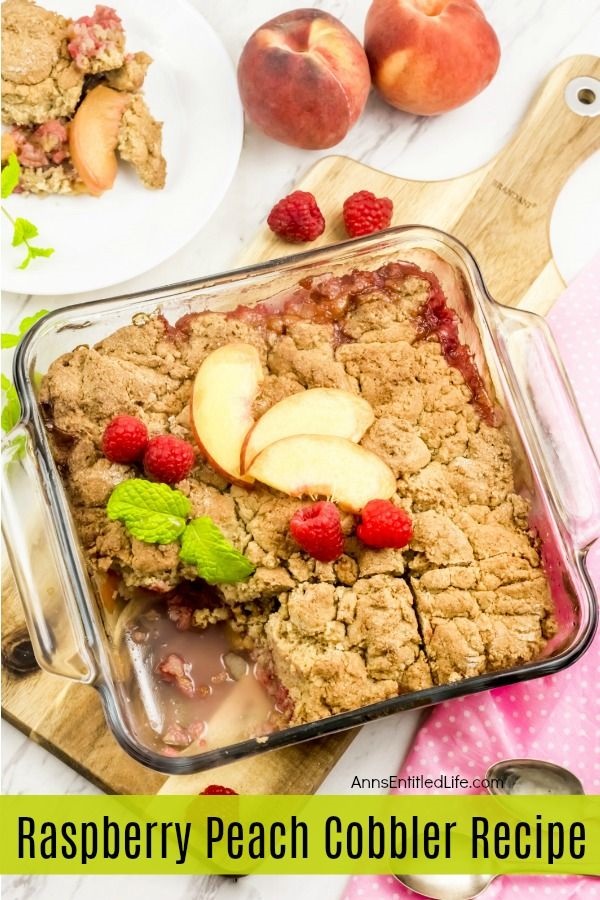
(168, 458)
(125, 439)
(297, 218)
(217, 789)
(365, 213)
(318, 530)
(384, 525)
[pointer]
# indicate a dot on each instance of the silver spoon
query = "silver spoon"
(532, 776)
(508, 776)
(447, 887)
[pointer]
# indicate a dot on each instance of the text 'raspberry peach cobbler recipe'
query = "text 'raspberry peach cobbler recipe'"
(297, 509)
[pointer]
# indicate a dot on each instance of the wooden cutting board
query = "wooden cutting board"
(502, 213)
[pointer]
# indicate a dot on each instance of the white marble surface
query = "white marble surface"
(534, 37)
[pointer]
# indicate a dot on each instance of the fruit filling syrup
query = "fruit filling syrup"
(196, 691)
(326, 299)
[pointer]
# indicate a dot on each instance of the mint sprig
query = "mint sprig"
(11, 408)
(151, 512)
(156, 514)
(11, 340)
(10, 175)
(203, 545)
(23, 230)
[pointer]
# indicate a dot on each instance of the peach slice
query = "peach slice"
(224, 391)
(93, 137)
(319, 465)
(315, 411)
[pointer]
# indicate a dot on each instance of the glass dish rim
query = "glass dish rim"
(31, 419)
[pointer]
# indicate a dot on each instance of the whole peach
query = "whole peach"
(304, 79)
(429, 56)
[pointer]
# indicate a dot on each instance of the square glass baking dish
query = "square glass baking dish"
(555, 468)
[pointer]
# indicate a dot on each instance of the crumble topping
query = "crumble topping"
(331, 643)
(40, 81)
(466, 596)
(140, 142)
(131, 75)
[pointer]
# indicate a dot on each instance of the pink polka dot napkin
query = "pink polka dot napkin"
(556, 718)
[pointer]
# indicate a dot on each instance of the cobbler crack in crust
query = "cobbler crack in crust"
(466, 596)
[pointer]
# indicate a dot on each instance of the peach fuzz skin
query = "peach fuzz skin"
(304, 79)
(430, 56)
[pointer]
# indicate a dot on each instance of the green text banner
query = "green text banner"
(288, 834)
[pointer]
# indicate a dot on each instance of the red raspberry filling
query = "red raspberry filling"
(174, 670)
(44, 145)
(90, 36)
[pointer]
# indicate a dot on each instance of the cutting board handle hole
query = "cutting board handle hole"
(586, 95)
(582, 95)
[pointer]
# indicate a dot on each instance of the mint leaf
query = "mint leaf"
(29, 321)
(18, 447)
(23, 230)
(10, 176)
(33, 252)
(11, 340)
(11, 411)
(203, 545)
(41, 251)
(153, 513)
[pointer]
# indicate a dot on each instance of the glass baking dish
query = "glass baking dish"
(555, 468)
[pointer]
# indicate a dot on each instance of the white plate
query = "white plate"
(102, 241)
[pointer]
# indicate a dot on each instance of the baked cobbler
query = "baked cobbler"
(462, 593)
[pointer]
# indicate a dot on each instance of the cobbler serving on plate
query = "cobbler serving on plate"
(72, 95)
